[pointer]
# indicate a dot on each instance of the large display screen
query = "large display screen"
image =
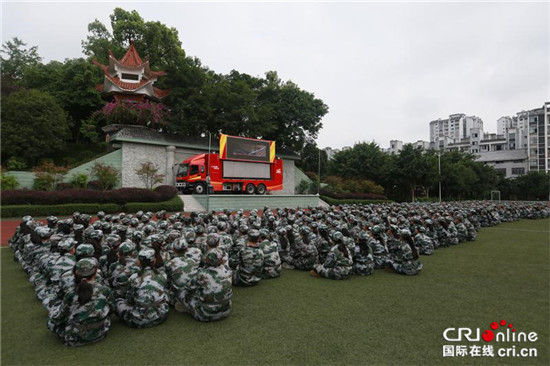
(240, 148)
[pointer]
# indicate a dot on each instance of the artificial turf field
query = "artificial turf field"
(385, 318)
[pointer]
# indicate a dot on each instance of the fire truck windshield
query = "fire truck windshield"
(183, 169)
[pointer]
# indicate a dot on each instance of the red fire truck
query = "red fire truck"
(243, 165)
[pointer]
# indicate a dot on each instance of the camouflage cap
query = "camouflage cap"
(337, 236)
(253, 234)
(78, 227)
(43, 232)
(179, 245)
(147, 254)
(127, 247)
(264, 233)
(84, 250)
(214, 257)
(67, 244)
(85, 267)
(212, 240)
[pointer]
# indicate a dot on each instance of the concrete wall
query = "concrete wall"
(26, 179)
(288, 178)
(133, 155)
(113, 159)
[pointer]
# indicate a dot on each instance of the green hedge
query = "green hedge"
(172, 205)
(334, 201)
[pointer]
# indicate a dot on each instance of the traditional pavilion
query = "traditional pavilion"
(130, 78)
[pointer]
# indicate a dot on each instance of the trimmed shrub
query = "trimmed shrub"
(105, 174)
(333, 201)
(95, 185)
(354, 196)
(63, 186)
(79, 180)
(166, 192)
(8, 182)
(119, 196)
(173, 205)
(48, 175)
(46, 210)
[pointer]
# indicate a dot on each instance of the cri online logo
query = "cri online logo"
(507, 333)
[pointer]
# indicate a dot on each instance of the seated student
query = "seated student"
(84, 315)
(272, 261)
(363, 260)
(338, 265)
(404, 259)
(250, 263)
(209, 290)
(146, 302)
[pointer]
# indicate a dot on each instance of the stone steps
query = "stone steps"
(190, 204)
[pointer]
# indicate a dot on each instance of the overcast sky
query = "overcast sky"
(384, 69)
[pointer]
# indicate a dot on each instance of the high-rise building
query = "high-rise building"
(453, 129)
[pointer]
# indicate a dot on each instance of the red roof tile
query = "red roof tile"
(160, 93)
(131, 58)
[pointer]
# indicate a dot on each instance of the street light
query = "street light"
(439, 169)
(319, 174)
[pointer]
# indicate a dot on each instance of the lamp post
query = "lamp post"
(319, 174)
(439, 169)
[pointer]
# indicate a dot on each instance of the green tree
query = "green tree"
(72, 83)
(106, 175)
(309, 159)
(18, 58)
(533, 186)
(153, 39)
(33, 125)
(295, 114)
(48, 175)
(148, 173)
(363, 160)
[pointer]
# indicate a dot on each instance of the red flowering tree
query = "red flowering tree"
(152, 115)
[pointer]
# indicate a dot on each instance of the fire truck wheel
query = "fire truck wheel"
(260, 189)
(250, 189)
(200, 188)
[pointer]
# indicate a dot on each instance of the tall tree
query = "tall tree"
(72, 84)
(153, 39)
(363, 160)
(310, 157)
(18, 58)
(33, 125)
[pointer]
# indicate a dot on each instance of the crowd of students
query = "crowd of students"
(139, 265)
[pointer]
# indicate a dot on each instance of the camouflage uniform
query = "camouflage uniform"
(79, 324)
(338, 266)
(379, 250)
(424, 243)
(403, 260)
(209, 290)
(272, 261)
(363, 262)
(179, 270)
(251, 263)
(120, 273)
(146, 302)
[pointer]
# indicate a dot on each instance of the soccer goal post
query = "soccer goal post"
(495, 196)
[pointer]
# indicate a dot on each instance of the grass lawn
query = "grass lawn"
(385, 318)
